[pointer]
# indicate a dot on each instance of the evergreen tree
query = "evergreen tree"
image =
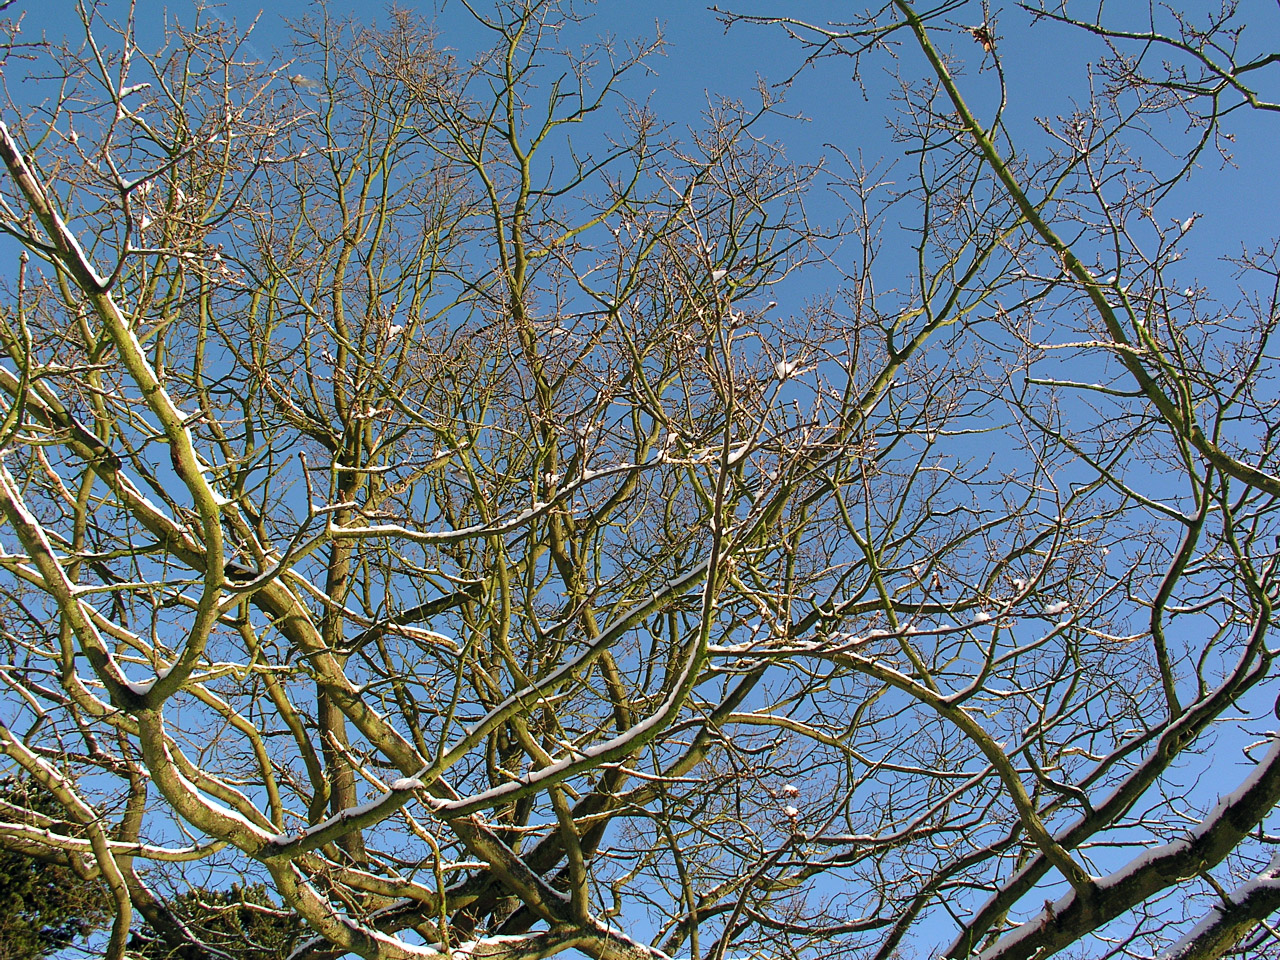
(240, 922)
(44, 905)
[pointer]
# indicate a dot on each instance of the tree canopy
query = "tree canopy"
(483, 519)
(44, 903)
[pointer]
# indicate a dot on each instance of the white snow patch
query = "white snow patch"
(785, 369)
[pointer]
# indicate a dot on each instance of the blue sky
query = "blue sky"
(1047, 67)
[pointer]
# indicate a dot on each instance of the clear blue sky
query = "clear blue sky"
(1046, 66)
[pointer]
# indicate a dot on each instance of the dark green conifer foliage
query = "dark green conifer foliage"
(240, 922)
(44, 905)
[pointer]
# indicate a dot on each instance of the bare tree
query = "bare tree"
(415, 501)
